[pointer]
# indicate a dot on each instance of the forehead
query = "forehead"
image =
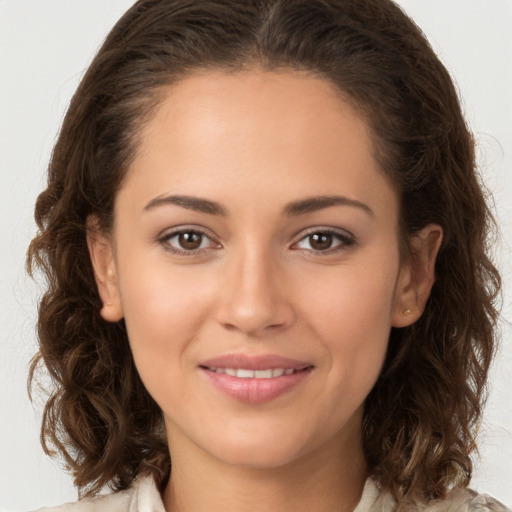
(244, 103)
(284, 134)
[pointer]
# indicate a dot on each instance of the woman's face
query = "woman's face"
(256, 264)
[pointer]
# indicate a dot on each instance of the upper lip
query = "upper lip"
(262, 362)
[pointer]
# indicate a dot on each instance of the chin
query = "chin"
(257, 458)
(266, 449)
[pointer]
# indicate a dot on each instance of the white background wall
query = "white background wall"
(45, 45)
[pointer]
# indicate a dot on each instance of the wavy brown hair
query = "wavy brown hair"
(421, 417)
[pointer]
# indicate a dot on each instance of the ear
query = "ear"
(416, 277)
(103, 263)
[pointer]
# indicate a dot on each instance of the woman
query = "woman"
(265, 245)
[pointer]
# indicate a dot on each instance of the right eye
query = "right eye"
(187, 241)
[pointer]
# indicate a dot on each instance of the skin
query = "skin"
(255, 142)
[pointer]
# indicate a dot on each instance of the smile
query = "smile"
(245, 373)
(255, 379)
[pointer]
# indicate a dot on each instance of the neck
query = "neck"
(319, 481)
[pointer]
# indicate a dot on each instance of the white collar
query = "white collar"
(147, 498)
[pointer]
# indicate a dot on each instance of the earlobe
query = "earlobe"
(103, 263)
(417, 277)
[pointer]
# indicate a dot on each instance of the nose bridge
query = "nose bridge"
(254, 299)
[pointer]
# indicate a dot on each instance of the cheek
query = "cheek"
(351, 315)
(355, 299)
(163, 308)
(164, 312)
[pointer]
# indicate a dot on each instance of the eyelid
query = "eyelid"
(347, 238)
(164, 237)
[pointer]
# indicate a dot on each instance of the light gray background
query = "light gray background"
(45, 45)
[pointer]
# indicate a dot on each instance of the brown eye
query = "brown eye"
(187, 242)
(190, 240)
(320, 241)
(327, 241)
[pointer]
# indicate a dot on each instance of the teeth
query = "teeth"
(244, 373)
(263, 374)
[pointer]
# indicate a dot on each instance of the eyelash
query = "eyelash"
(165, 240)
(345, 240)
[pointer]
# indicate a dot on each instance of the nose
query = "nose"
(254, 299)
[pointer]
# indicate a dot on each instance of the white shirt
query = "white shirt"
(143, 496)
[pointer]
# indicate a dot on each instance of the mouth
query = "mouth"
(247, 373)
(254, 380)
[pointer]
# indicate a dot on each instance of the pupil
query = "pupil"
(190, 240)
(321, 241)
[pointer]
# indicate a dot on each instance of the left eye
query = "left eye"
(187, 241)
(322, 241)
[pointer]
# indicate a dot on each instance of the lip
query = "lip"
(254, 362)
(254, 390)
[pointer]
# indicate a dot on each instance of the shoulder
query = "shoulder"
(466, 500)
(458, 500)
(143, 495)
(117, 502)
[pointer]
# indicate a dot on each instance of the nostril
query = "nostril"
(252, 313)
(272, 327)
(230, 327)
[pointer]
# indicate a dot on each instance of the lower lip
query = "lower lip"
(255, 391)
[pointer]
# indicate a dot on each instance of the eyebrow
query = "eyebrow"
(313, 204)
(303, 206)
(190, 203)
